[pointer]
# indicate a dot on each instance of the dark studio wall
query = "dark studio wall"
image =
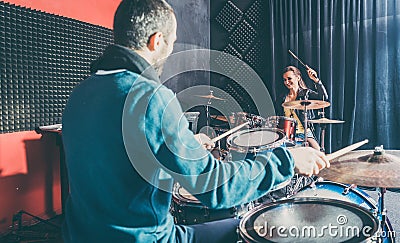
(186, 71)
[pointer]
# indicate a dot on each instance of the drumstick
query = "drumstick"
(345, 150)
(295, 57)
(302, 63)
(229, 132)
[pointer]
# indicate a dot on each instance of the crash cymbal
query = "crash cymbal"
(219, 118)
(310, 104)
(325, 121)
(366, 168)
(210, 96)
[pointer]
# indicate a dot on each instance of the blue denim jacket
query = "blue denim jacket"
(126, 143)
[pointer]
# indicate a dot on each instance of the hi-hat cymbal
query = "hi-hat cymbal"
(365, 168)
(210, 96)
(309, 104)
(325, 121)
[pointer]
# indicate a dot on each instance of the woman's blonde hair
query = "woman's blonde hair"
(296, 72)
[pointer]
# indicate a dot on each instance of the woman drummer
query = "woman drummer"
(298, 90)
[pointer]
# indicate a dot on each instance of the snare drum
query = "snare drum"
(248, 143)
(287, 124)
(308, 220)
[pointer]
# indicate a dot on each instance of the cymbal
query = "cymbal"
(219, 118)
(210, 96)
(365, 168)
(310, 104)
(325, 121)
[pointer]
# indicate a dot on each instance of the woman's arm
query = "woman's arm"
(320, 92)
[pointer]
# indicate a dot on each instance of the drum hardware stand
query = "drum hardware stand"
(300, 182)
(208, 116)
(208, 109)
(305, 103)
(323, 128)
(381, 210)
(239, 240)
(270, 197)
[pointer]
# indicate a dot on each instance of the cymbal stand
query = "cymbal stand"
(208, 118)
(323, 128)
(208, 109)
(305, 123)
(381, 208)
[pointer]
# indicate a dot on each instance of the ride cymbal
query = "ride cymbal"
(303, 104)
(366, 168)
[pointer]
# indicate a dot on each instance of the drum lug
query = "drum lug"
(347, 189)
(374, 212)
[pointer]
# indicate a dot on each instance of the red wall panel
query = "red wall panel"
(90, 11)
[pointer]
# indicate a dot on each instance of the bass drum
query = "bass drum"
(334, 190)
(308, 220)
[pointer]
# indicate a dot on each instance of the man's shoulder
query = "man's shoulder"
(148, 85)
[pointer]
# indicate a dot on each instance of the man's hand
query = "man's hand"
(309, 161)
(204, 140)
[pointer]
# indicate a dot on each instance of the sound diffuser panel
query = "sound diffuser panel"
(42, 58)
(237, 30)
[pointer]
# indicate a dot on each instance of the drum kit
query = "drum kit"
(327, 208)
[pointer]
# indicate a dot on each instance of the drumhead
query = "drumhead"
(256, 140)
(308, 220)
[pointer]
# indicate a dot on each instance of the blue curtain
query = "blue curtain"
(354, 46)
